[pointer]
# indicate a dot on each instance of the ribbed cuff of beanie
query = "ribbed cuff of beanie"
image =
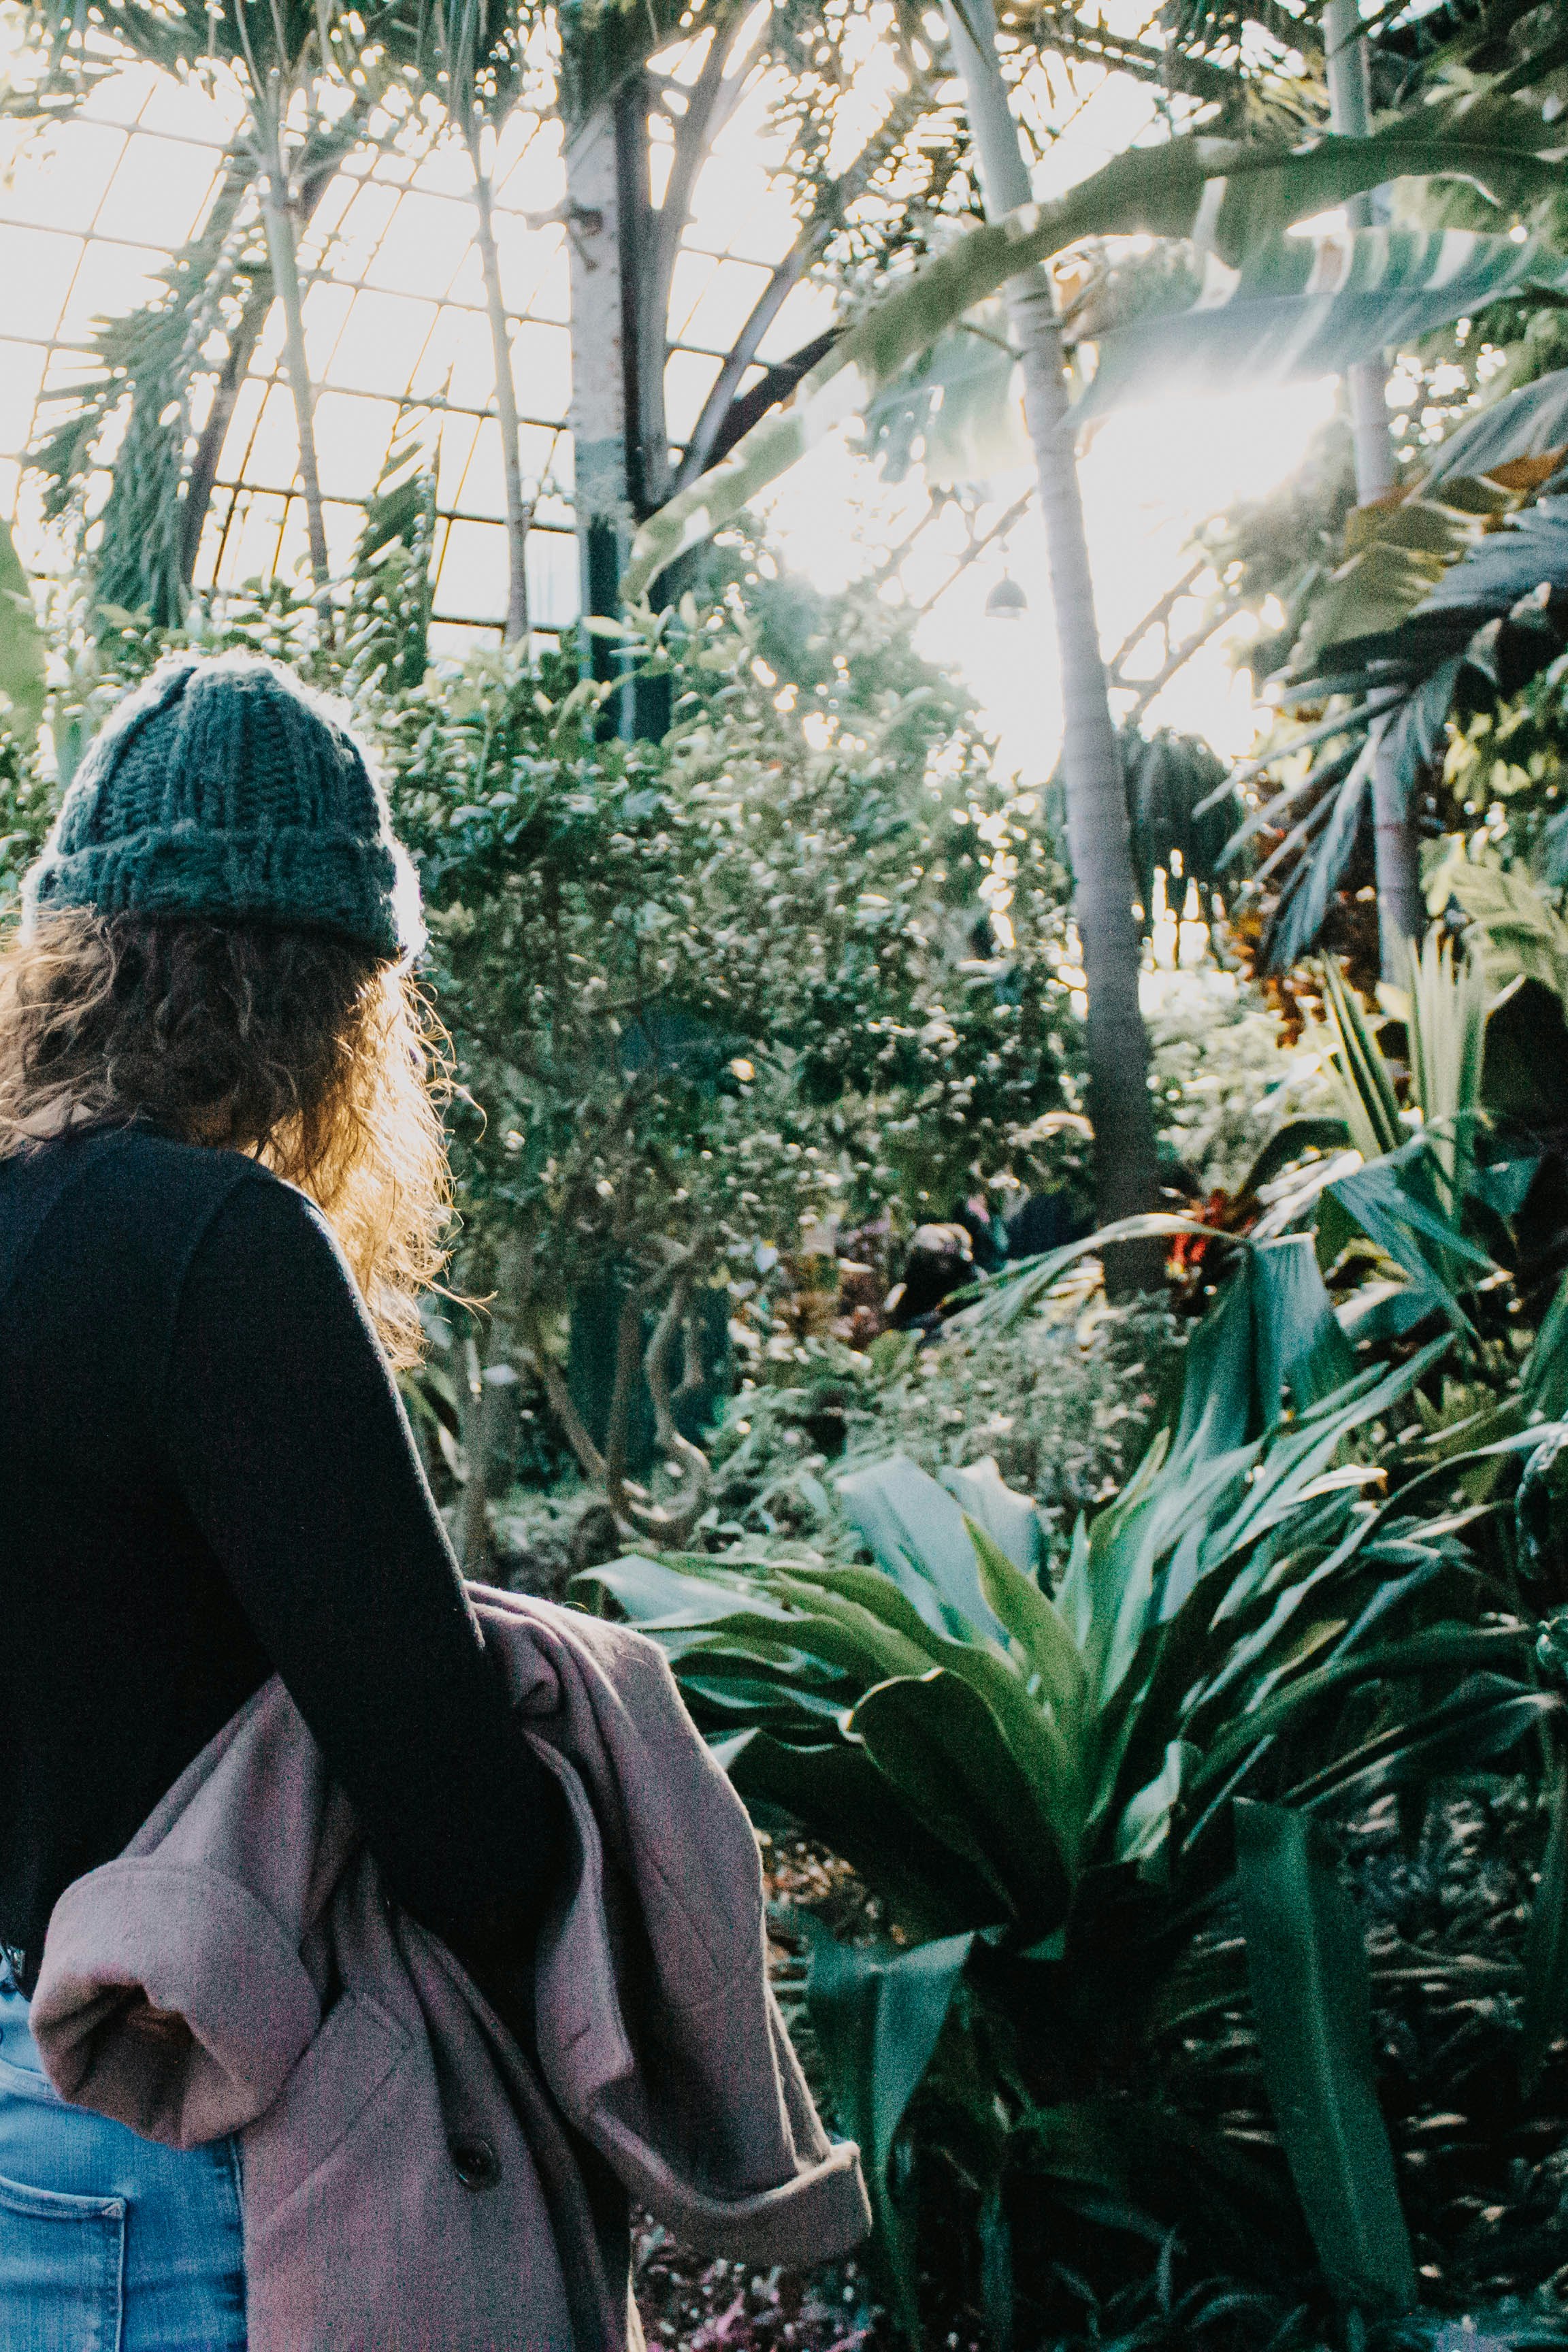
(292, 875)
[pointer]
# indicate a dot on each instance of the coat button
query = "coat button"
(473, 2162)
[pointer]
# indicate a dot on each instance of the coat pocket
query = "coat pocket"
(328, 2092)
(62, 2267)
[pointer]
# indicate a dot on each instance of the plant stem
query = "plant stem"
(519, 515)
(1098, 833)
(282, 251)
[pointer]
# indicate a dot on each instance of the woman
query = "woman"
(222, 1186)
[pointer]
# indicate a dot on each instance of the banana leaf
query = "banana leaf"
(1494, 619)
(1313, 306)
(958, 408)
(1532, 421)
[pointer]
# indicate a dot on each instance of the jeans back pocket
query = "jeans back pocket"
(62, 2268)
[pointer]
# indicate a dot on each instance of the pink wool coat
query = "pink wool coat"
(412, 2181)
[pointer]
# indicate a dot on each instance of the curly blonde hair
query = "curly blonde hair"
(320, 1060)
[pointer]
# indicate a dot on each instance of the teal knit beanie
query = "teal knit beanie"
(223, 789)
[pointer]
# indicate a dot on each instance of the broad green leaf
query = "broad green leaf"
(1484, 1718)
(1311, 1999)
(1261, 189)
(1144, 1826)
(1002, 1297)
(878, 2015)
(836, 1793)
(1545, 2019)
(1217, 1377)
(945, 1754)
(654, 1594)
(851, 1641)
(912, 1524)
(1522, 935)
(1299, 1343)
(872, 1590)
(1303, 1450)
(888, 1651)
(1031, 1618)
(1312, 306)
(1011, 1521)
(1437, 1649)
(21, 647)
(1395, 1202)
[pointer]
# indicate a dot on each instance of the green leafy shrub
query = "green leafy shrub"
(1063, 1402)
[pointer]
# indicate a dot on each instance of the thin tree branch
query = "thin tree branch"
(236, 368)
(673, 1520)
(765, 310)
(590, 1461)
(617, 1430)
(709, 106)
(519, 512)
(1147, 689)
(776, 385)
(997, 531)
(1152, 620)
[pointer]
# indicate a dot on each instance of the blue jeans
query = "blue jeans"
(108, 2242)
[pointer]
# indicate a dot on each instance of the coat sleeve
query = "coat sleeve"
(293, 1452)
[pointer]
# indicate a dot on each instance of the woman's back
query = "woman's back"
(208, 1475)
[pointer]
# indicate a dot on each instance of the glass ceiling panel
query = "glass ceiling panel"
(93, 208)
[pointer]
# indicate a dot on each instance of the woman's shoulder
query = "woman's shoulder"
(138, 1186)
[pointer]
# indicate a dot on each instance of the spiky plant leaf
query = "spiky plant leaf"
(1312, 1999)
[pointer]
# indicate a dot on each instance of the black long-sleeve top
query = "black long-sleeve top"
(206, 1475)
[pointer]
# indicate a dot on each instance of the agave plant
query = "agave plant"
(1042, 1786)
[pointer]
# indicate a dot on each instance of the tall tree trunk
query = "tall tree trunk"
(598, 375)
(283, 253)
(518, 515)
(1401, 910)
(619, 333)
(1098, 833)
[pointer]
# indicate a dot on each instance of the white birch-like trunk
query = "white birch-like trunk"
(598, 372)
(1401, 912)
(1098, 836)
(598, 418)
